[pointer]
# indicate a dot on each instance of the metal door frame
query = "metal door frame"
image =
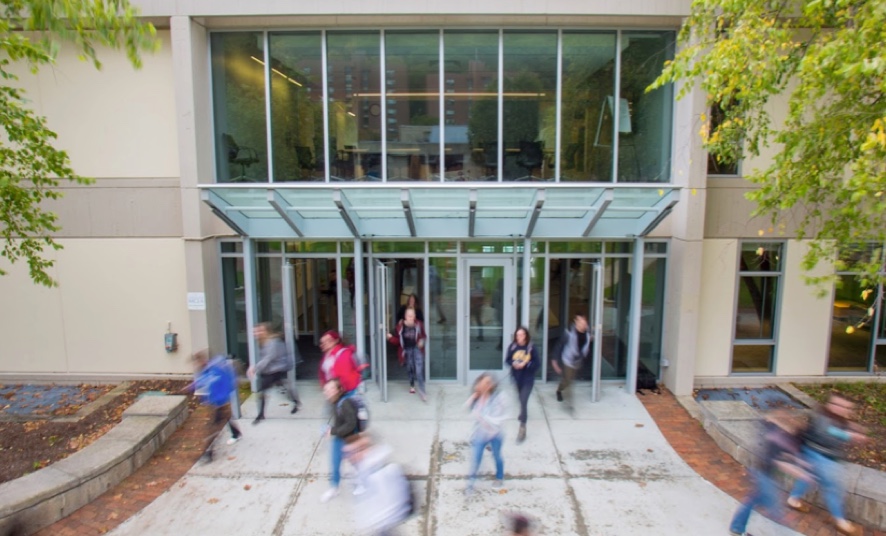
(509, 314)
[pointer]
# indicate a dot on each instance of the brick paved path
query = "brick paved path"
(163, 470)
(184, 447)
(698, 450)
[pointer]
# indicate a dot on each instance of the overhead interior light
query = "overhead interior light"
(288, 79)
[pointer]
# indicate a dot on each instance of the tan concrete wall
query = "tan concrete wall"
(117, 122)
(717, 307)
(108, 314)
(805, 320)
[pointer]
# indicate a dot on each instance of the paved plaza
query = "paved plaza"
(605, 470)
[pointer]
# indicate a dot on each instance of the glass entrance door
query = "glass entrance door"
(576, 288)
(382, 316)
(490, 313)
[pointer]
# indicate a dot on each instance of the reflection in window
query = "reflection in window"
(238, 94)
(412, 60)
(529, 105)
(760, 265)
(851, 326)
(644, 147)
(587, 124)
(470, 63)
(716, 164)
(355, 144)
(297, 107)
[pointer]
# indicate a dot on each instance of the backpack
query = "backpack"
(362, 412)
(646, 380)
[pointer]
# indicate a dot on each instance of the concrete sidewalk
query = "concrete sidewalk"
(607, 470)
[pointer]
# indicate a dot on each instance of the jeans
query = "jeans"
(523, 391)
(415, 366)
(565, 386)
(478, 446)
(337, 446)
(827, 474)
(266, 381)
(765, 494)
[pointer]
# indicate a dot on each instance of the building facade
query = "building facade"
(313, 166)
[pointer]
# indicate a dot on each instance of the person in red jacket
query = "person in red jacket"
(339, 362)
(409, 337)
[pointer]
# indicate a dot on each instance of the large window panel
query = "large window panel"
(529, 105)
(297, 107)
(238, 96)
(470, 105)
(852, 330)
(644, 146)
(412, 85)
(354, 89)
(756, 313)
(587, 121)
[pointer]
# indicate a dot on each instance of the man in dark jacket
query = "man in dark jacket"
(273, 367)
(574, 347)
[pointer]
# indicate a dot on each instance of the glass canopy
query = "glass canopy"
(344, 211)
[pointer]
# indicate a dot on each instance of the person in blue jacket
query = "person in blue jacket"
(214, 384)
(523, 360)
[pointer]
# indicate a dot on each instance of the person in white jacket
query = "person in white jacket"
(386, 499)
(488, 409)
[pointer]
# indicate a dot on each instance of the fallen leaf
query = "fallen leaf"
(247, 487)
(212, 500)
(639, 425)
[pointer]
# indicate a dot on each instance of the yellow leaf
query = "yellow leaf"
(760, 232)
(693, 191)
(850, 329)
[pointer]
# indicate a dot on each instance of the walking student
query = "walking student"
(409, 336)
(345, 423)
(523, 359)
(489, 412)
(574, 348)
(339, 362)
(272, 368)
(829, 433)
(214, 383)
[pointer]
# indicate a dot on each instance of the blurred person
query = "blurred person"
(339, 362)
(478, 300)
(388, 498)
(518, 524)
(273, 367)
(436, 288)
(573, 348)
(214, 383)
(411, 303)
(345, 423)
(409, 336)
(781, 445)
(825, 440)
(523, 359)
(489, 412)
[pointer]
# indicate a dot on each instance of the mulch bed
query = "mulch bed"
(29, 445)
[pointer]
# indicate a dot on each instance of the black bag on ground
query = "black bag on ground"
(646, 380)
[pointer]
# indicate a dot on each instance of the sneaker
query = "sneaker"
(294, 408)
(498, 484)
(233, 440)
(359, 490)
(258, 419)
(559, 396)
(521, 435)
(424, 397)
(469, 490)
(412, 390)
(328, 495)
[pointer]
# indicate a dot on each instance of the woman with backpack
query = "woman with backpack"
(409, 336)
(345, 423)
(523, 359)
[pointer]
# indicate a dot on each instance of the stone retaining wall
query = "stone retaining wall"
(45, 496)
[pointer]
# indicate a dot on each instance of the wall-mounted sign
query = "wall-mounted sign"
(196, 301)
